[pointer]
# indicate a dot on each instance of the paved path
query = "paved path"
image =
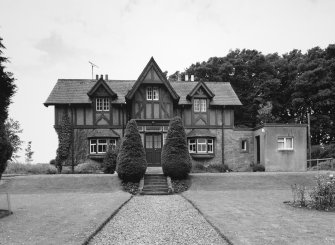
(158, 220)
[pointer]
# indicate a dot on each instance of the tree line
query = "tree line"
(278, 88)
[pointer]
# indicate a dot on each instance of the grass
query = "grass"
(58, 209)
(248, 208)
(39, 168)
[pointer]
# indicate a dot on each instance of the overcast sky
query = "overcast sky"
(47, 40)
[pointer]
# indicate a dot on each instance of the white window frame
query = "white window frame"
(93, 145)
(284, 141)
(200, 105)
(244, 145)
(196, 105)
(201, 145)
(149, 93)
(102, 104)
(203, 105)
(192, 146)
(104, 143)
(210, 145)
(155, 93)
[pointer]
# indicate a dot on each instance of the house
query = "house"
(99, 110)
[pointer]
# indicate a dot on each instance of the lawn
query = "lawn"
(248, 208)
(60, 209)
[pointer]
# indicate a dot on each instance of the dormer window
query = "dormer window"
(200, 105)
(102, 104)
(152, 93)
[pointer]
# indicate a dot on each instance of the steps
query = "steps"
(155, 184)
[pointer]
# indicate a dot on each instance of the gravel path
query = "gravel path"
(158, 220)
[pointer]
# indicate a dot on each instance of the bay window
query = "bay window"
(100, 146)
(201, 146)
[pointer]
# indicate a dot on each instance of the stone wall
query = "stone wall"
(234, 157)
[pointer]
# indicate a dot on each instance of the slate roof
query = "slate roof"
(74, 91)
(224, 93)
(200, 132)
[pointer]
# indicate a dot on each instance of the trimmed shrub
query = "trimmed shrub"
(131, 161)
(89, 167)
(218, 168)
(6, 150)
(258, 168)
(109, 162)
(175, 158)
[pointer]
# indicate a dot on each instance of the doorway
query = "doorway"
(258, 149)
(153, 148)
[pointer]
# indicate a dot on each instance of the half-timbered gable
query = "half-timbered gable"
(100, 108)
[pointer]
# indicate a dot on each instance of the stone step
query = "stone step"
(163, 188)
(155, 193)
(146, 182)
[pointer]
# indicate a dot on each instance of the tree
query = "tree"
(7, 90)
(6, 150)
(13, 130)
(175, 158)
(65, 134)
(29, 153)
(131, 161)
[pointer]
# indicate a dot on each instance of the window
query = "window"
(155, 94)
(199, 105)
(100, 146)
(201, 146)
(192, 146)
(152, 93)
(285, 143)
(244, 145)
(102, 104)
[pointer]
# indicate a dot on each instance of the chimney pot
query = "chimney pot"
(186, 78)
(101, 76)
(106, 77)
(96, 76)
(192, 78)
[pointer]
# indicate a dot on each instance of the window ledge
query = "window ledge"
(285, 149)
(203, 156)
(97, 156)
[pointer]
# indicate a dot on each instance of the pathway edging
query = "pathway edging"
(209, 222)
(100, 227)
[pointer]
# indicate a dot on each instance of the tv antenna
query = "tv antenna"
(93, 65)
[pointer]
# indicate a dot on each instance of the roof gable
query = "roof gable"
(152, 74)
(200, 89)
(101, 88)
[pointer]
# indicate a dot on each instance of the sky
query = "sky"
(48, 40)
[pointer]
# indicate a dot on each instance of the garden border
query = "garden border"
(100, 227)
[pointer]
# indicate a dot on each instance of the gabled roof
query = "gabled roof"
(202, 85)
(152, 65)
(74, 91)
(102, 83)
(224, 93)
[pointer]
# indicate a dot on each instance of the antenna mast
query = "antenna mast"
(93, 65)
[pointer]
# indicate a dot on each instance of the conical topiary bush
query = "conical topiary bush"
(131, 161)
(176, 160)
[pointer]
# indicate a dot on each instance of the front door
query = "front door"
(153, 148)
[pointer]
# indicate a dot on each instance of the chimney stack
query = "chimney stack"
(192, 78)
(101, 76)
(106, 77)
(186, 78)
(96, 77)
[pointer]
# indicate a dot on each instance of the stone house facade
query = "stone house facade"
(99, 110)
